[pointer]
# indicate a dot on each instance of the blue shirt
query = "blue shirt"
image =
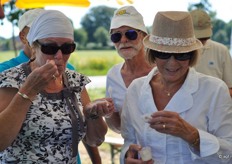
(21, 58)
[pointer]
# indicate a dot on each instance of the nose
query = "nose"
(124, 38)
(58, 55)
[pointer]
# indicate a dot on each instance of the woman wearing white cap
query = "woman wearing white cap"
(185, 117)
(45, 109)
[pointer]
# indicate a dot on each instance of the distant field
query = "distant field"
(91, 63)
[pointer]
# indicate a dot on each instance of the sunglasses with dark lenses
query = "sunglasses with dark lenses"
(180, 56)
(51, 48)
(130, 34)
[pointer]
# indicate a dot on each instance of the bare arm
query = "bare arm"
(13, 110)
(230, 89)
(96, 128)
(14, 107)
(114, 122)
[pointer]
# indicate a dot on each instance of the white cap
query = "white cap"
(28, 17)
(128, 16)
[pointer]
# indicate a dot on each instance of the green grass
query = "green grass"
(94, 62)
(6, 55)
(90, 63)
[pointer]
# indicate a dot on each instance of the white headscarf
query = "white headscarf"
(50, 23)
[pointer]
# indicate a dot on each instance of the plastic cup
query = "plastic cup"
(145, 154)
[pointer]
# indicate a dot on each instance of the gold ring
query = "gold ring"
(54, 77)
(164, 126)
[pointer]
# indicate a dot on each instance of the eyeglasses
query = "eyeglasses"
(52, 48)
(180, 56)
(130, 34)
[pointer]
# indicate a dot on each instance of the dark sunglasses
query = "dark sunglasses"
(51, 48)
(130, 34)
(180, 56)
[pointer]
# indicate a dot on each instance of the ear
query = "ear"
(22, 37)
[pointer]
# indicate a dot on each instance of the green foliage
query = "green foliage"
(101, 35)
(97, 17)
(94, 63)
(80, 37)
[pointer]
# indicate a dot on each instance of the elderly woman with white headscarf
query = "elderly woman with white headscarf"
(45, 109)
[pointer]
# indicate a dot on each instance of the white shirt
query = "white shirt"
(203, 101)
(115, 86)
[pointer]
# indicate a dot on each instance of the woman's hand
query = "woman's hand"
(171, 123)
(132, 156)
(100, 107)
(39, 78)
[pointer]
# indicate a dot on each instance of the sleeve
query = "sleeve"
(216, 142)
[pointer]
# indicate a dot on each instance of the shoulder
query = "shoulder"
(115, 69)
(215, 44)
(206, 81)
(76, 79)
(12, 77)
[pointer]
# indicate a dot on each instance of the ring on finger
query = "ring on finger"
(54, 77)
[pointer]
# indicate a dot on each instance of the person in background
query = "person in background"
(45, 108)
(184, 116)
(24, 25)
(2, 15)
(214, 59)
(127, 31)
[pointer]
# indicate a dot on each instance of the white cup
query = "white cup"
(145, 154)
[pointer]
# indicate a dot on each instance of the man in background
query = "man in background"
(127, 31)
(24, 24)
(1, 11)
(214, 58)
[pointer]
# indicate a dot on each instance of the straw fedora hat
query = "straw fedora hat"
(172, 32)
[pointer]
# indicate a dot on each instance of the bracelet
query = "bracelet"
(195, 142)
(92, 117)
(24, 96)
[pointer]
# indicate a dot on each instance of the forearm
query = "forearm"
(114, 122)
(230, 89)
(11, 120)
(96, 131)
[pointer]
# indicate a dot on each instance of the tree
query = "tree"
(80, 37)
(96, 17)
(13, 17)
(101, 35)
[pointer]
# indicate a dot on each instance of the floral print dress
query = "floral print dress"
(46, 134)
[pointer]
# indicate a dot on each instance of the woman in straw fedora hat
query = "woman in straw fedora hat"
(182, 115)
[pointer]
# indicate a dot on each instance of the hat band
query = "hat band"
(171, 41)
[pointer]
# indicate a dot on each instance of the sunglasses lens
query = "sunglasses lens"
(180, 57)
(49, 49)
(131, 34)
(161, 55)
(68, 48)
(116, 37)
(183, 56)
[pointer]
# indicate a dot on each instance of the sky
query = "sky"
(148, 8)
